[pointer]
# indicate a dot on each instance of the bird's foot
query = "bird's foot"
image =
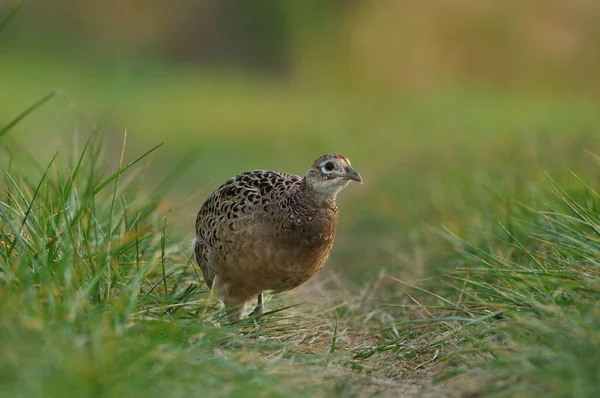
(260, 308)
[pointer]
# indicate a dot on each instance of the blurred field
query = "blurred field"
(455, 114)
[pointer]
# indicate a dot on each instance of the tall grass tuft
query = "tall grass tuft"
(545, 288)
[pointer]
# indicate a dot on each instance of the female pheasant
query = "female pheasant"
(266, 230)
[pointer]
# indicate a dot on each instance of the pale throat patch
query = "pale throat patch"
(330, 187)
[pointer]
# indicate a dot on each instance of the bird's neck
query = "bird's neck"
(326, 200)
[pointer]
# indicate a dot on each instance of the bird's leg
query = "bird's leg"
(235, 312)
(259, 306)
(233, 307)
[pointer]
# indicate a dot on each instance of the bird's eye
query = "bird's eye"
(327, 168)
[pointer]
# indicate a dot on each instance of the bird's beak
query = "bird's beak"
(351, 174)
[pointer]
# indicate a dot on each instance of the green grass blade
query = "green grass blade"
(91, 195)
(71, 183)
(11, 15)
(122, 170)
(31, 202)
(26, 112)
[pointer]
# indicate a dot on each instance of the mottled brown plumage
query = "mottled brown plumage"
(266, 230)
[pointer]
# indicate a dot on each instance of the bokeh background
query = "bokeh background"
(445, 107)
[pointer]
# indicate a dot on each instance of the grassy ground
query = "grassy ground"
(472, 248)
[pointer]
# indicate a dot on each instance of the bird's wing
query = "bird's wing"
(233, 209)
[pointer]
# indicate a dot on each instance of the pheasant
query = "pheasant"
(266, 230)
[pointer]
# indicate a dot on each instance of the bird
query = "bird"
(269, 231)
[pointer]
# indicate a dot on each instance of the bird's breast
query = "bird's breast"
(306, 231)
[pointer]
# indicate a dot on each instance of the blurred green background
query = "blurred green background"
(445, 107)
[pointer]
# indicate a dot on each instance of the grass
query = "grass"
(472, 248)
(545, 284)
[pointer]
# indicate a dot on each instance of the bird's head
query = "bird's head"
(329, 174)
